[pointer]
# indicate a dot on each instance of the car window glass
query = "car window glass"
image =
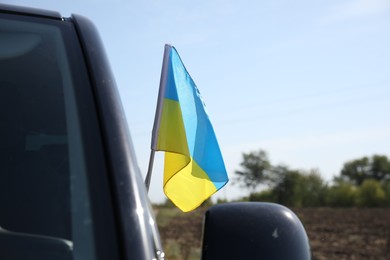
(44, 204)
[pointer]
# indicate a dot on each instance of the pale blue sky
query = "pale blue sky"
(308, 81)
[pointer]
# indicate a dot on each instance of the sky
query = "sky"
(306, 81)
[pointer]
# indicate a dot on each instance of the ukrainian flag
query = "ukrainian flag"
(193, 164)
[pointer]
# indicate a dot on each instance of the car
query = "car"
(70, 186)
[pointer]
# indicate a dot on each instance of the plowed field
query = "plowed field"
(347, 233)
(353, 234)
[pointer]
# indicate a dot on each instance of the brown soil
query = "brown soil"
(347, 233)
(334, 233)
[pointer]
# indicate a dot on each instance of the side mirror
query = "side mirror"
(253, 230)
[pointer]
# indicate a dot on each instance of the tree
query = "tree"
(386, 189)
(370, 194)
(313, 189)
(299, 189)
(287, 188)
(255, 168)
(357, 171)
(341, 194)
(380, 168)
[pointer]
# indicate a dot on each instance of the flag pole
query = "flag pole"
(157, 118)
(150, 168)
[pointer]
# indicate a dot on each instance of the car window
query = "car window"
(44, 200)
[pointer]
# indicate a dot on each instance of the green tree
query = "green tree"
(300, 189)
(370, 194)
(386, 189)
(357, 171)
(287, 188)
(255, 168)
(264, 196)
(313, 189)
(278, 175)
(380, 168)
(341, 194)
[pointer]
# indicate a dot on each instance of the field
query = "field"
(334, 233)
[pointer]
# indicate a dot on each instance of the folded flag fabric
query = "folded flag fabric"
(193, 164)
